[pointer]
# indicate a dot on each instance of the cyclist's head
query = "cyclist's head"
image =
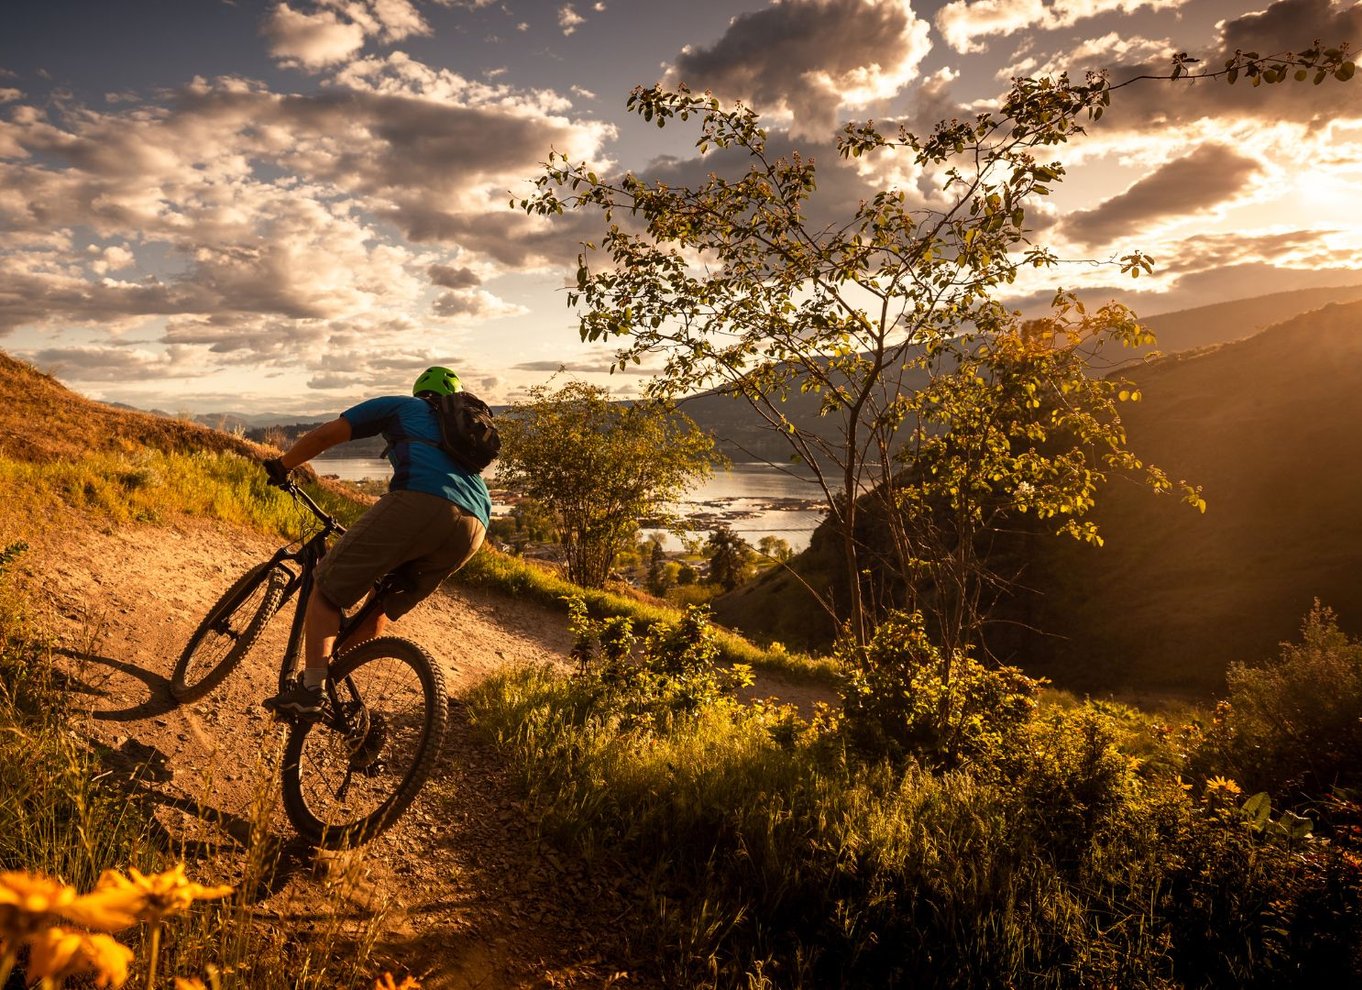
(441, 381)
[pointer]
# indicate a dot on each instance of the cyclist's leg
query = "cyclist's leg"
(381, 540)
(375, 625)
(450, 543)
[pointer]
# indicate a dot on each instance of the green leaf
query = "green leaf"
(1258, 808)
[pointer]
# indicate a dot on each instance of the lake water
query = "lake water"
(755, 500)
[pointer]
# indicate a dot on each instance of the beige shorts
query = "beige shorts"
(421, 538)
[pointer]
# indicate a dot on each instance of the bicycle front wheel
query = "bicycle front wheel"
(351, 772)
(228, 631)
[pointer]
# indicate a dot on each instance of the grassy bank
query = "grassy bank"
(1079, 845)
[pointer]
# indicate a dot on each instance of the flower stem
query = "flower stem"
(155, 953)
(7, 962)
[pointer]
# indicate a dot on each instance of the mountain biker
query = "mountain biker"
(429, 524)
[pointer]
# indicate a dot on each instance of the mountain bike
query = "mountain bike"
(349, 771)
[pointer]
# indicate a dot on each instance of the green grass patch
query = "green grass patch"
(528, 581)
(769, 852)
(155, 486)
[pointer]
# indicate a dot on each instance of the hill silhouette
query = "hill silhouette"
(42, 420)
(1270, 427)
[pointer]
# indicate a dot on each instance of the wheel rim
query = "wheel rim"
(226, 633)
(346, 779)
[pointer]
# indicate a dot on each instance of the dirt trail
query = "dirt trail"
(473, 898)
(469, 894)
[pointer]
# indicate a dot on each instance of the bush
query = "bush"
(901, 696)
(672, 669)
(1293, 726)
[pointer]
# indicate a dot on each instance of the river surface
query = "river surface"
(755, 500)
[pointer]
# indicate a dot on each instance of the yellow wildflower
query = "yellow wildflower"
(1222, 787)
(29, 902)
(153, 897)
(385, 982)
(57, 953)
(193, 983)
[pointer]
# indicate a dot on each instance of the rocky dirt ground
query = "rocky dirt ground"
(462, 891)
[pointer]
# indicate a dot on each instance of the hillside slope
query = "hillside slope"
(1270, 427)
(42, 420)
(460, 891)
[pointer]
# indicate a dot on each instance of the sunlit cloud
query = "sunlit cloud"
(967, 25)
(801, 61)
(568, 19)
(1184, 187)
(329, 32)
(475, 304)
(311, 40)
(1093, 54)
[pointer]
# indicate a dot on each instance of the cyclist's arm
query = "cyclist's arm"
(309, 445)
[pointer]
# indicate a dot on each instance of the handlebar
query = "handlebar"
(301, 496)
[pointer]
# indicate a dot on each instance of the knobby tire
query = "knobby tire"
(228, 632)
(331, 803)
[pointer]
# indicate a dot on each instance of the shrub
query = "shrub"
(671, 669)
(1293, 726)
(901, 696)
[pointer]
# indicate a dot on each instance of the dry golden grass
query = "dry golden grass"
(41, 420)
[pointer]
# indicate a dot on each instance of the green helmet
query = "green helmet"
(441, 381)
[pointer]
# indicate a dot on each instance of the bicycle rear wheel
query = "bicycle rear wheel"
(341, 788)
(228, 631)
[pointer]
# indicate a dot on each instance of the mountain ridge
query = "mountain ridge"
(1268, 426)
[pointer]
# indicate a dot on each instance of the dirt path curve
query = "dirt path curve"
(467, 897)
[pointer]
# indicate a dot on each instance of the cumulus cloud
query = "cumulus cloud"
(332, 31)
(1110, 49)
(269, 229)
(1186, 186)
(807, 59)
(968, 24)
(478, 304)
(311, 40)
(453, 278)
(568, 19)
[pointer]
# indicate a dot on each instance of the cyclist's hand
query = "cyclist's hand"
(278, 474)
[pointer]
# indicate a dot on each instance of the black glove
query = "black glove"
(278, 474)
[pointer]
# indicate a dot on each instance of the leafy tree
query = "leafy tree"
(661, 572)
(729, 558)
(890, 316)
(598, 466)
(774, 548)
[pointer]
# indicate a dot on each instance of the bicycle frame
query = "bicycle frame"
(301, 583)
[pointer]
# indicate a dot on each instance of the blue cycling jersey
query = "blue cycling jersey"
(418, 467)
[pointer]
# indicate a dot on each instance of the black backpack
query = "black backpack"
(467, 432)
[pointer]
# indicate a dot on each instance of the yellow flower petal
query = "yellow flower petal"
(29, 901)
(159, 894)
(385, 982)
(57, 953)
(194, 983)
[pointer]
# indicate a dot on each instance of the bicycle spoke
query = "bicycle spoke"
(356, 767)
(229, 631)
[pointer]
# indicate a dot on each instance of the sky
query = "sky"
(231, 205)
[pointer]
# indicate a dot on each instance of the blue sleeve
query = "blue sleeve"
(369, 417)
